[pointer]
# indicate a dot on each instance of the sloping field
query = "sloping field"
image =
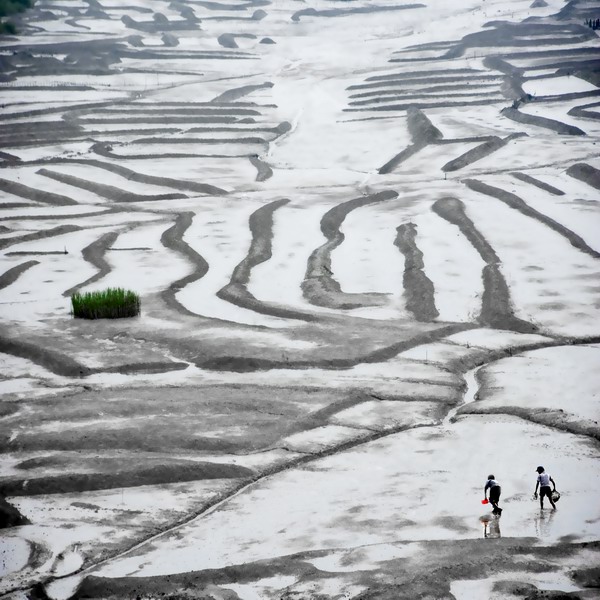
(365, 238)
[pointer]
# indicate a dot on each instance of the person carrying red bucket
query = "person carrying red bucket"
(494, 487)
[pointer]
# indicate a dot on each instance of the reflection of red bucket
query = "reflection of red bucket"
(484, 501)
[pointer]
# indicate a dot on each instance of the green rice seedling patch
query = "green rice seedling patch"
(112, 303)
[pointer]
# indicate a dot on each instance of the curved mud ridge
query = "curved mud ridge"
(49, 358)
(479, 152)
(107, 191)
(503, 34)
(562, 128)
(400, 158)
(172, 238)
(264, 171)
(37, 195)
(11, 275)
(418, 288)
(340, 12)
(94, 254)
(422, 132)
(176, 184)
(227, 40)
(496, 306)
(237, 93)
(38, 235)
(585, 173)
(518, 204)
(537, 183)
(319, 286)
(583, 112)
(236, 291)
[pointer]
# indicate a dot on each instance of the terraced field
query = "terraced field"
(365, 236)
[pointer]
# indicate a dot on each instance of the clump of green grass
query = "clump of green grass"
(112, 303)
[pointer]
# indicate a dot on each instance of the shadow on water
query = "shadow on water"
(491, 526)
(543, 523)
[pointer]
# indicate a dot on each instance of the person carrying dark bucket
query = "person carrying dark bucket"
(543, 482)
(495, 490)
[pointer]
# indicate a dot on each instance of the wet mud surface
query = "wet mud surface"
(349, 272)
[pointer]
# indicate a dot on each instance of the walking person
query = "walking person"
(543, 483)
(495, 491)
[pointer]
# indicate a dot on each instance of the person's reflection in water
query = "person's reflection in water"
(491, 526)
(543, 523)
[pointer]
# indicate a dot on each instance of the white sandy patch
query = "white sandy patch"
(37, 292)
(439, 353)
(552, 86)
(551, 282)
(149, 269)
(365, 260)
(558, 111)
(563, 378)
(320, 438)
(223, 243)
(296, 233)
(577, 210)
(367, 558)
(384, 415)
(14, 553)
(26, 387)
(495, 339)
(453, 266)
(462, 122)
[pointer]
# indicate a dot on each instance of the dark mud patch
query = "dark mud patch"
(319, 286)
(170, 472)
(94, 254)
(418, 288)
(10, 515)
(37, 195)
(557, 126)
(11, 275)
(537, 183)
(585, 173)
(519, 204)
(496, 306)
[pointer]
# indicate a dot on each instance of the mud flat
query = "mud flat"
(368, 263)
